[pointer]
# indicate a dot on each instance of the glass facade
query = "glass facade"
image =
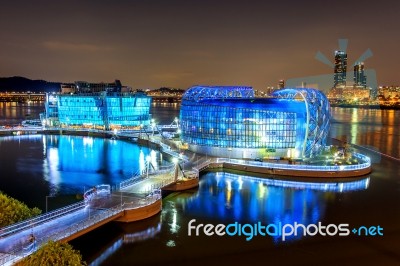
(225, 126)
(104, 111)
(340, 69)
(215, 120)
(360, 79)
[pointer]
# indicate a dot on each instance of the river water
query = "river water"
(62, 167)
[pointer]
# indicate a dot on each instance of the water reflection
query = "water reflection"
(69, 158)
(12, 113)
(66, 165)
(376, 129)
(228, 197)
(132, 233)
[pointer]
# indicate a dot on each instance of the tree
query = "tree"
(333, 150)
(53, 254)
(13, 211)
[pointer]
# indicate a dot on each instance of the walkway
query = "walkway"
(101, 206)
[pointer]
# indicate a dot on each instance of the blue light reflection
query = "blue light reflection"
(227, 198)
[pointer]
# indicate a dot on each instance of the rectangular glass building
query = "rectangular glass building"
(99, 110)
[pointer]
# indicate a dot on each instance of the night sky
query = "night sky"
(154, 43)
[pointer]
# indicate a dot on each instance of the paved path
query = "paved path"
(19, 244)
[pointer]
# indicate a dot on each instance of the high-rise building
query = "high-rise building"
(340, 69)
(360, 79)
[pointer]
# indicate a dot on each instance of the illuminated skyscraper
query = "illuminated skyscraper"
(360, 79)
(340, 69)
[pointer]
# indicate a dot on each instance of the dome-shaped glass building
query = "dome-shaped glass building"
(231, 122)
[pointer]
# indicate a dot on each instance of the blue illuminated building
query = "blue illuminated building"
(231, 122)
(107, 109)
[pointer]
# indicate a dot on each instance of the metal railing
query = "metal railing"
(103, 215)
(82, 225)
(167, 149)
(103, 189)
(158, 185)
(150, 199)
(20, 252)
(17, 227)
(365, 164)
(202, 166)
(131, 181)
(137, 178)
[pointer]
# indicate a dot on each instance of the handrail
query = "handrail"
(17, 227)
(107, 213)
(136, 178)
(366, 164)
(19, 252)
(99, 189)
(129, 182)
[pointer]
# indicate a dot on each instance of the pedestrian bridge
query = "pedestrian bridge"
(135, 199)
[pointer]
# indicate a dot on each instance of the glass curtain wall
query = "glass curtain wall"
(222, 126)
(109, 111)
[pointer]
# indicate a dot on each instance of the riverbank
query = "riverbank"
(376, 106)
(172, 149)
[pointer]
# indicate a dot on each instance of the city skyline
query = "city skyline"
(151, 44)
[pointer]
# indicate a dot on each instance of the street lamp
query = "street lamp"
(183, 163)
(153, 125)
(140, 131)
(175, 161)
(46, 201)
(229, 152)
(148, 159)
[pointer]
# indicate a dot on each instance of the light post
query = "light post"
(178, 130)
(46, 201)
(183, 163)
(175, 161)
(153, 125)
(148, 159)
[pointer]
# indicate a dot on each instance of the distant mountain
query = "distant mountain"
(21, 84)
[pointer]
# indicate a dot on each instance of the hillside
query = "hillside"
(20, 84)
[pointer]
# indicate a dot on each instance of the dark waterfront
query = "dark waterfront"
(13, 113)
(34, 167)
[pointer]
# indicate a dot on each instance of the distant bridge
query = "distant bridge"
(22, 97)
(166, 99)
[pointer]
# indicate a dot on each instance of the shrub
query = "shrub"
(53, 254)
(13, 211)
